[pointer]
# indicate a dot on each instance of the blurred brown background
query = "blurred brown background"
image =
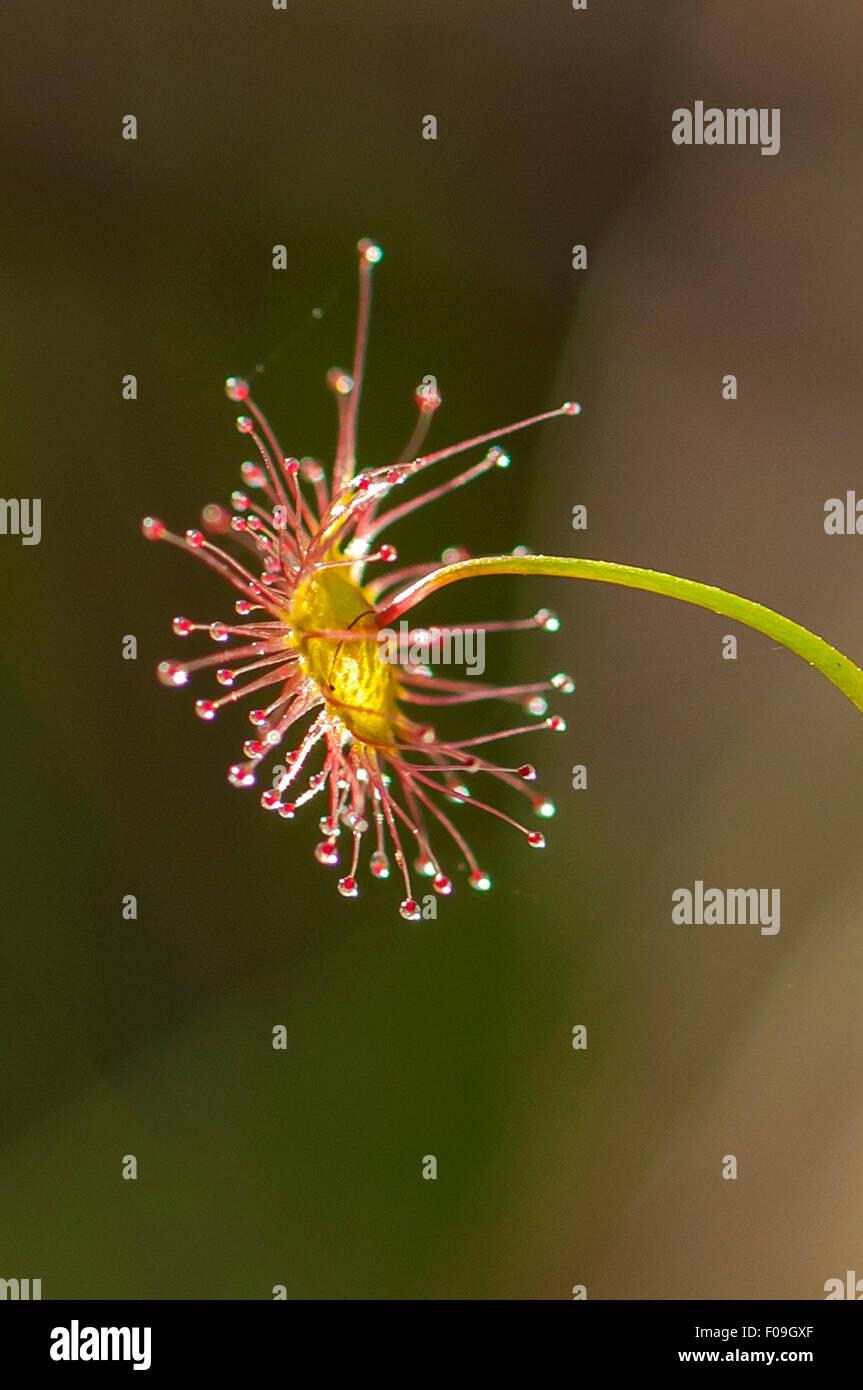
(555, 1167)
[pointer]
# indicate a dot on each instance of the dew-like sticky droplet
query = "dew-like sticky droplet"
(536, 840)
(544, 618)
(527, 772)
(348, 887)
(181, 627)
(427, 398)
(340, 382)
(379, 864)
(327, 853)
(172, 673)
(152, 529)
(410, 910)
(253, 474)
(205, 709)
(480, 880)
(236, 389)
(442, 885)
(216, 518)
(563, 682)
(241, 776)
(312, 470)
(544, 808)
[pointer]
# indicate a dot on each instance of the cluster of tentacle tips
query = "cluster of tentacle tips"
(305, 644)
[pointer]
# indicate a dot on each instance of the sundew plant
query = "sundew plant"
(317, 595)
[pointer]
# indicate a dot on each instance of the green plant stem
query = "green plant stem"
(826, 659)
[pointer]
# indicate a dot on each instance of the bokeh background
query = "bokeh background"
(451, 1038)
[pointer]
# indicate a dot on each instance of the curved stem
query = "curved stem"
(826, 659)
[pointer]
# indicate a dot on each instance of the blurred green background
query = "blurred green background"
(452, 1038)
